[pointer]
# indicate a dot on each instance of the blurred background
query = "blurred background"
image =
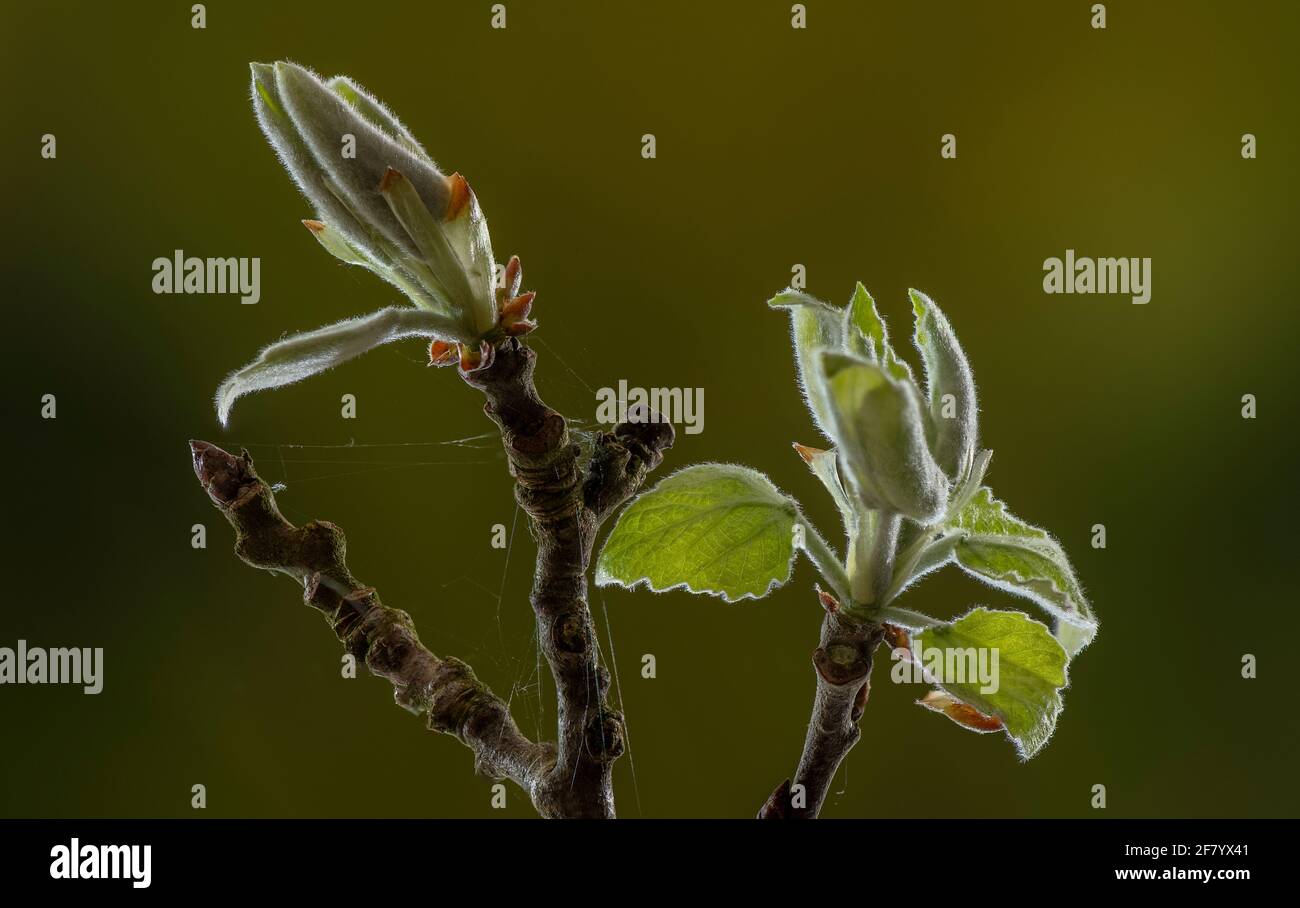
(776, 147)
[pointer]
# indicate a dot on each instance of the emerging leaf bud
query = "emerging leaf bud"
(880, 430)
(384, 204)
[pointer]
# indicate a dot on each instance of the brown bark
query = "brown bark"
(566, 505)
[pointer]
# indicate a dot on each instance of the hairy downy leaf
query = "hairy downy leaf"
(1002, 550)
(303, 355)
(297, 158)
(376, 113)
(322, 117)
(881, 437)
(1031, 671)
(815, 326)
(450, 281)
(712, 528)
(954, 422)
(336, 244)
(423, 232)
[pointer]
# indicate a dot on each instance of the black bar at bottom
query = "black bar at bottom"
(682, 858)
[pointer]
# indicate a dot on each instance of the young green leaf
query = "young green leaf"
(866, 334)
(1008, 553)
(815, 326)
(881, 434)
(292, 149)
(863, 326)
(712, 528)
(1029, 677)
(950, 386)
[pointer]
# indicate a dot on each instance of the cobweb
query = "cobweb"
(530, 685)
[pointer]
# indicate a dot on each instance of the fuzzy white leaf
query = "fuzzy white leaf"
(815, 326)
(377, 113)
(322, 118)
(953, 423)
(338, 245)
(307, 354)
(280, 131)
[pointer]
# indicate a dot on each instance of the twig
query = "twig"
(444, 690)
(566, 504)
(843, 664)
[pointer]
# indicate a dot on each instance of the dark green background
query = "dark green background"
(775, 147)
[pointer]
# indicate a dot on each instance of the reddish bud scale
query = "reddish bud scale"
(519, 306)
(897, 637)
(828, 601)
(477, 360)
(962, 713)
(519, 328)
(808, 454)
(459, 196)
(514, 319)
(514, 278)
(390, 177)
(442, 353)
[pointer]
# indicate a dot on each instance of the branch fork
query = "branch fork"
(566, 502)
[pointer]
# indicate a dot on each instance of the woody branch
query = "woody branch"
(566, 503)
(444, 690)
